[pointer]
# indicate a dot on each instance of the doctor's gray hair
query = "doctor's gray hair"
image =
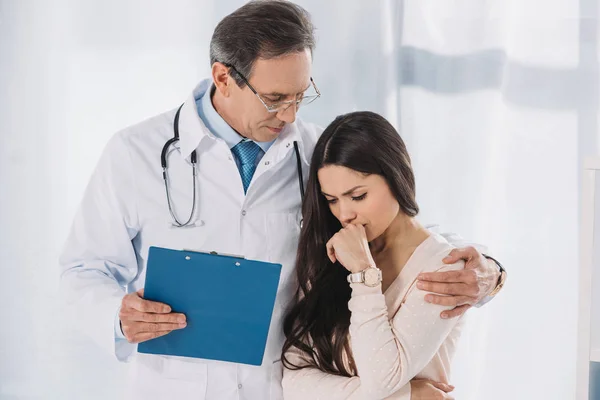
(264, 29)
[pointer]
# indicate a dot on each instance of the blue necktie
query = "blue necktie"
(246, 152)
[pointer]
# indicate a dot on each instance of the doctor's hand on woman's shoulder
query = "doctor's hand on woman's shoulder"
(142, 320)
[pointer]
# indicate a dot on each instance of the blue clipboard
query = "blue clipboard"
(228, 302)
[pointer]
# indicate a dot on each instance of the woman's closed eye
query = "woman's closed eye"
(354, 198)
(359, 198)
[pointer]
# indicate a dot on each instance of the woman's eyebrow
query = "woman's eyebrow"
(345, 193)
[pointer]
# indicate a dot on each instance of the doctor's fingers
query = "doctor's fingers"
(135, 328)
(453, 301)
(452, 289)
(141, 331)
(145, 336)
(133, 300)
(129, 314)
(455, 312)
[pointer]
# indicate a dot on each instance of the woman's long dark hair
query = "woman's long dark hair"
(319, 319)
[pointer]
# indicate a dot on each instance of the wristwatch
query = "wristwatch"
(501, 278)
(371, 277)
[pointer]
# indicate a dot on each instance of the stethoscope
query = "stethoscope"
(193, 160)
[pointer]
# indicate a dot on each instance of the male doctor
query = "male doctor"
(240, 128)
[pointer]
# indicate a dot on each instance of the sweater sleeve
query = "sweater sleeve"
(388, 354)
(312, 383)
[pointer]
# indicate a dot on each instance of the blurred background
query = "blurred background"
(496, 100)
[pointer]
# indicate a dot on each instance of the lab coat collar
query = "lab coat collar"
(191, 128)
(285, 143)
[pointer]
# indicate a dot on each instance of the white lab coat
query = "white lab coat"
(124, 211)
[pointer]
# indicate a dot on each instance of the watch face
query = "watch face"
(371, 277)
(500, 284)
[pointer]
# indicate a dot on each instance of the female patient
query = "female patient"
(360, 329)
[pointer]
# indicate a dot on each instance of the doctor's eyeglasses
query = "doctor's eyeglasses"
(305, 98)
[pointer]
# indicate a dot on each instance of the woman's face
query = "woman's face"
(359, 199)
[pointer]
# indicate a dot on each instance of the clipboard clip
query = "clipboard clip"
(214, 253)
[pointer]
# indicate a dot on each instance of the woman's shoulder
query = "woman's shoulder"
(430, 255)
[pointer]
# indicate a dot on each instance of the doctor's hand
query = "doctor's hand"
(463, 288)
(425, 389)
(350, 247)
(142, 320)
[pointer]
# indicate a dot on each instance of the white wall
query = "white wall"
(72, 73)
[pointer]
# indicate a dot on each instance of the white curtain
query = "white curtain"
(497, 101)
